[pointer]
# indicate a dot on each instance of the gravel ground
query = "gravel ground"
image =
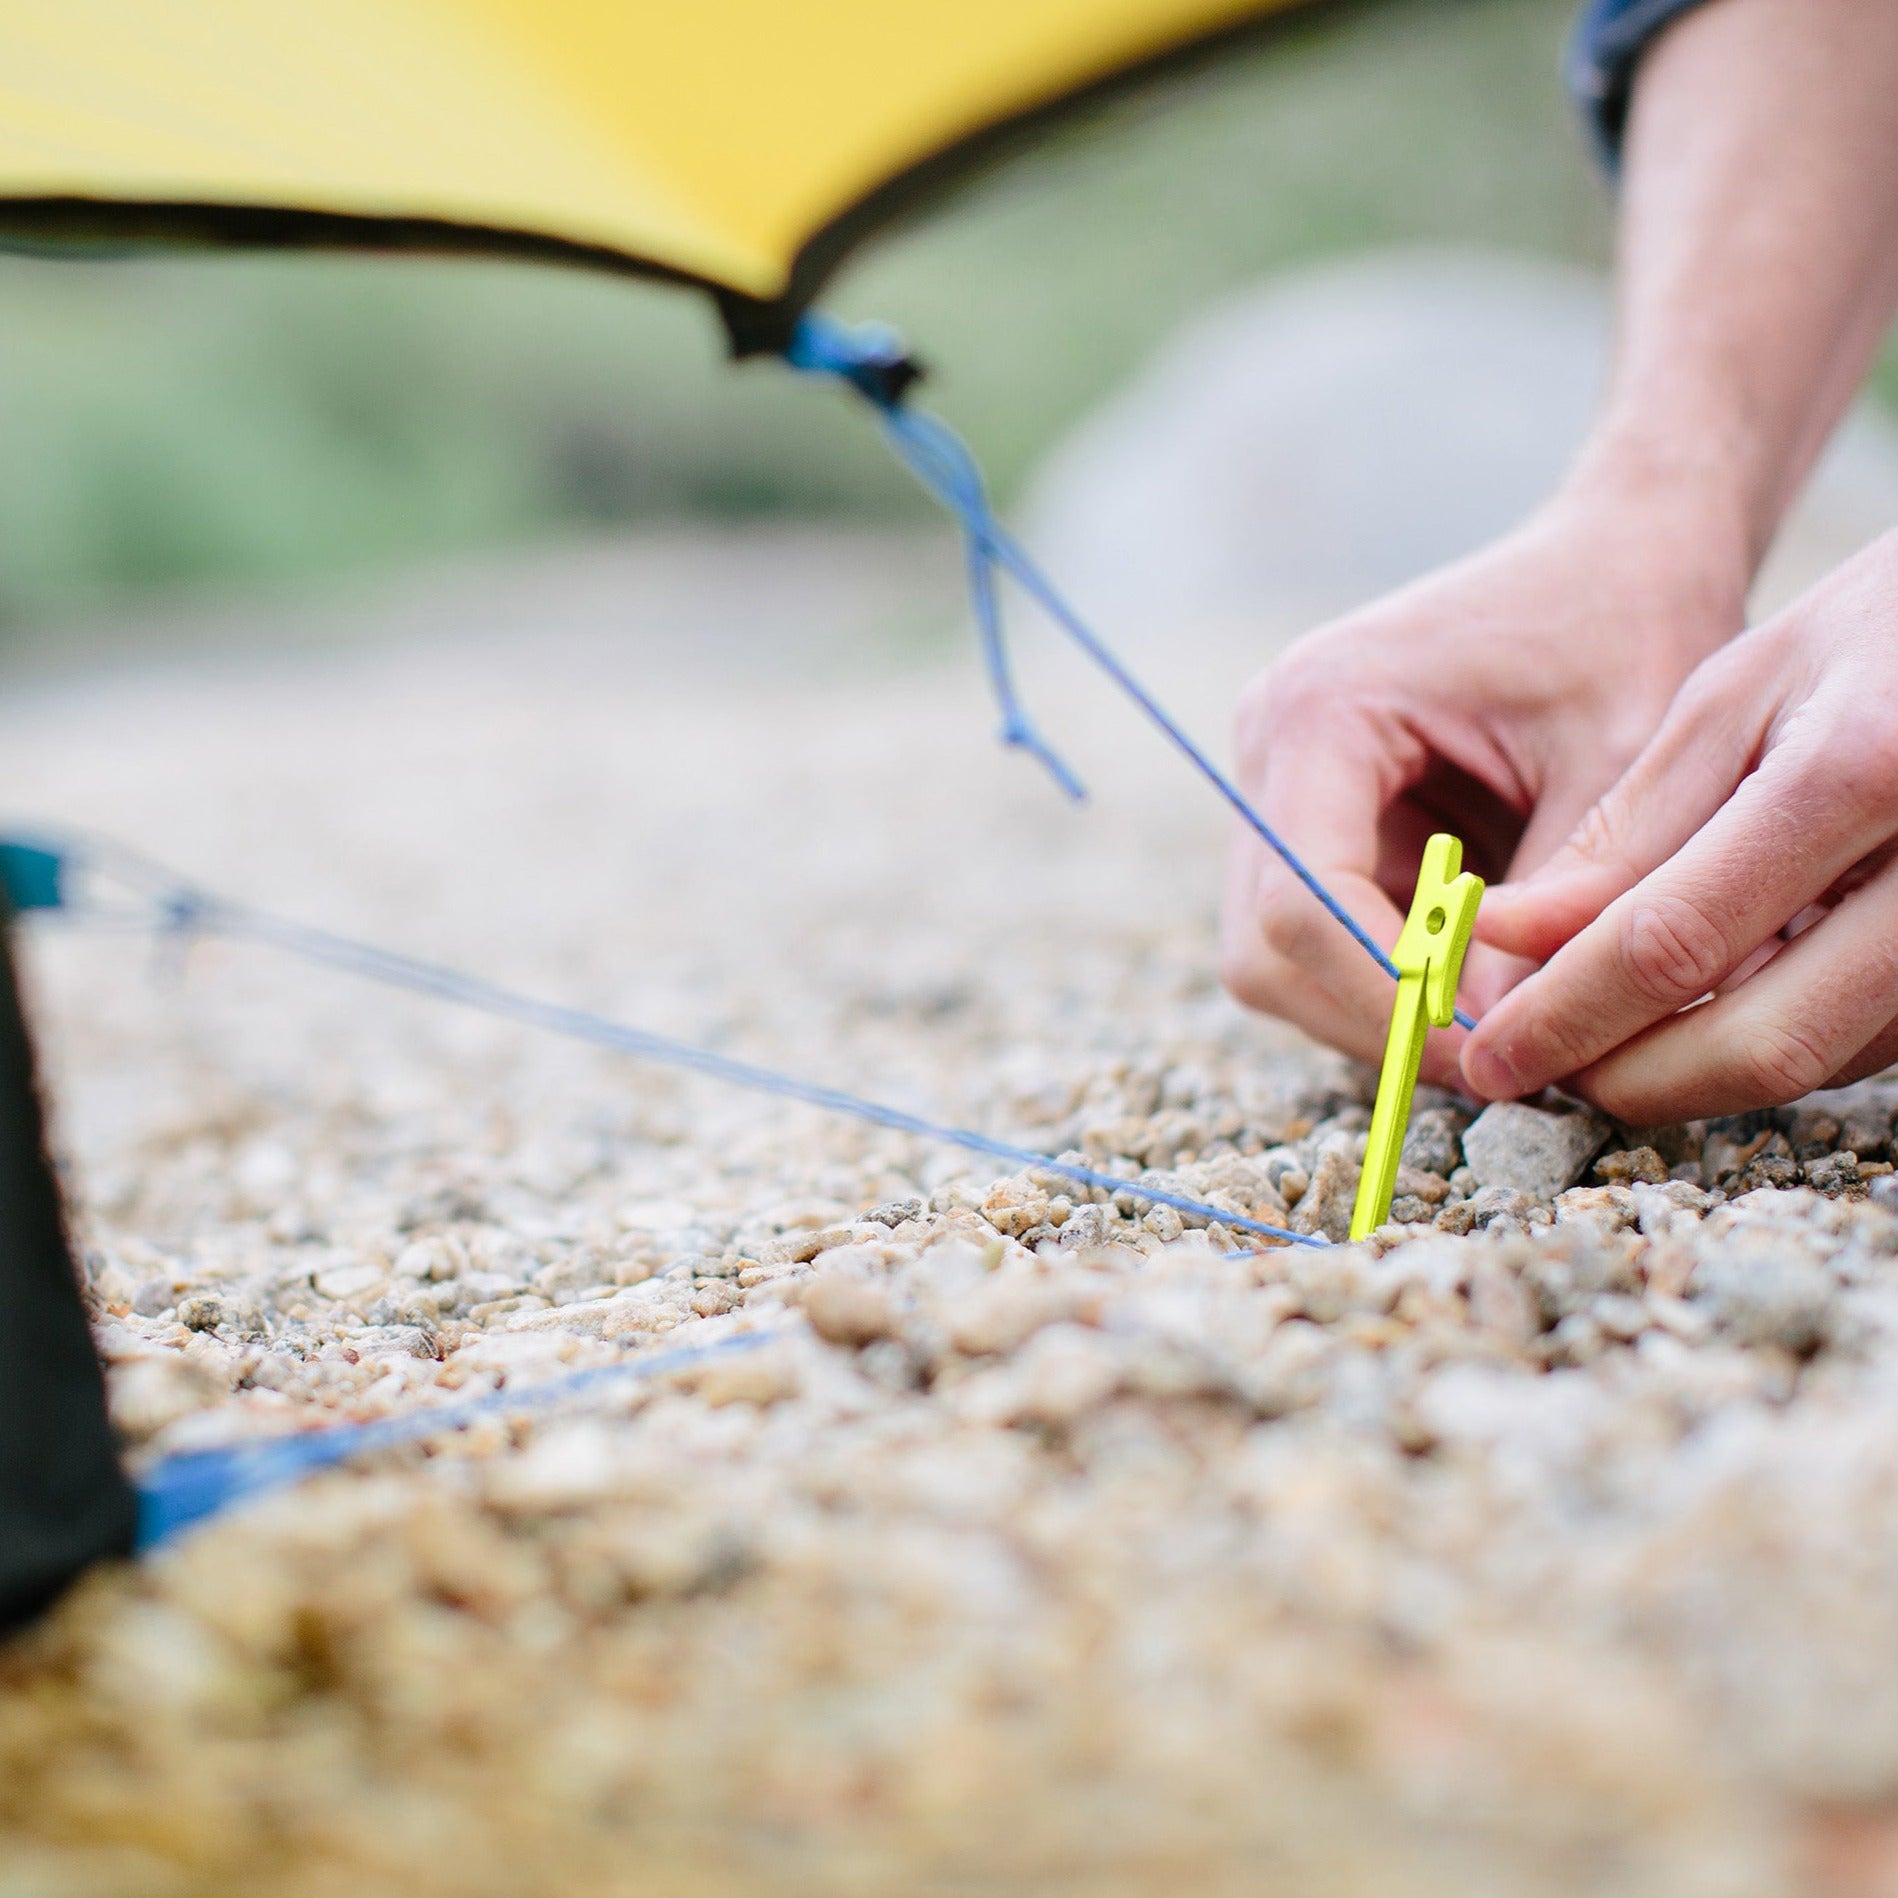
(1545, 1544)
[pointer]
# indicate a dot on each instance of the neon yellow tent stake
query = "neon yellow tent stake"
(1429, 959)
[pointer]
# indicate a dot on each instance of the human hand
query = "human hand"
(1751, 854)
(1496, 699)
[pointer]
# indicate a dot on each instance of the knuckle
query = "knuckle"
(1247, 963)
(1708, 700)
(1729, 671)
(1858, 777)
(1777, 1061)
(1598, 838)
(1672, 951)
(1304, 672)
(1242, 973)
(1286, 922)
(1256, 699)
(1557, 1044)
(1236, 973)
(1307, 677)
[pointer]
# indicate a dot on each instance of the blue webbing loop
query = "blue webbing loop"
(941, 461)
(871, 357)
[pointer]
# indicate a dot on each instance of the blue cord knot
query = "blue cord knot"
(871, 357)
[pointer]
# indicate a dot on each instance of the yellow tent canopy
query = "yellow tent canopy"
(741, 145)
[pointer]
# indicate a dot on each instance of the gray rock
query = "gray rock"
(480, 1288)
(204, 1311)
(1536, 1151)
(1678, 1145)
(1836, 1175)
(1499, 1202)
(1812, 1133)
(1434, 1141)
(1735, 1142)
(413, 1307)
(1757, 1292)
(1325, 1206)
(1866, 1131)
(394, 1341)
(1772, 1166)
(154, 1295)
(1632, 1166)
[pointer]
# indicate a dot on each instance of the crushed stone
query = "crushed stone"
(1541, 1544)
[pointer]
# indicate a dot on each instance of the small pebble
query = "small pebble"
(1630, 1165)
(1049, 1537)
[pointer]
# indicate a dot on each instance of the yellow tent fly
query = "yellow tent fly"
(741, 145)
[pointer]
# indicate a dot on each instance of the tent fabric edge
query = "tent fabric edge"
(993, 144)
(754, 325)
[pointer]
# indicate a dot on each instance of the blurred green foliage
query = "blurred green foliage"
(216, 418)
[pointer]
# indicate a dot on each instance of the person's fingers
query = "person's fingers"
(1810, 1014)
(1321, 769)
(1488, 975)
(1878, 1054)
(1785, 836)
(1352, 1016)
(1316, 773)
(1325, 771)
(1284, 955)
(1567, 798)
(1753, 964)
(1705, 746)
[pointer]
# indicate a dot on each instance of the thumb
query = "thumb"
(1706, 744)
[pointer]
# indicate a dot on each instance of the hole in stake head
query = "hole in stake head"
(1435, 921)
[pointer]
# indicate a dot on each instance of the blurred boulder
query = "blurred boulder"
(1330, 435)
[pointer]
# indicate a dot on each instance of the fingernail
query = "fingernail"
(1488, 1071)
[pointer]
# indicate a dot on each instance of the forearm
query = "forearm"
(1758, 267)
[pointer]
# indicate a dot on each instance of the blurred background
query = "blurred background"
(184, 432)
(183, 425)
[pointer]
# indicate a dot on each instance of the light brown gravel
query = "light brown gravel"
(1538, 1546)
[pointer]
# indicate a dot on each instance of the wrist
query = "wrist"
(1677, 526)
(1688, 484)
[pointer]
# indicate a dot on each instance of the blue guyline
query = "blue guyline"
(868, 357)
(36, 875)
(179, 1491)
